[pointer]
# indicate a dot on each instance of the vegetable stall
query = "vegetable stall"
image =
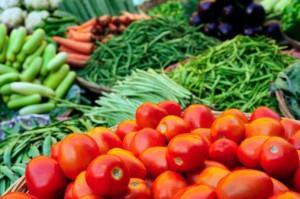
(153, 99)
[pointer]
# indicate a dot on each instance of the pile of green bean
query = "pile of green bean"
(234, 74)
(154, 43)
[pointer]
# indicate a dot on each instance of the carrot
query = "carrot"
(77, 63)
(80, 36)
(72, 28)
(88, 23)
(67, 50)
(82, 47)
(78, 56)
(86, 29)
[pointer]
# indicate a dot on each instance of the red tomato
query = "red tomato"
(91, 197)
(249, 151)
(197, 192)
(278, 187)
(75, 153)
(126, 127)
(287, 195)
(167, 184)
(228, 126)
(146, 138)
(198, 116)
(296, 180)
(154, 159)
(265, 126)
(210, 163)
(172, 108)
(148, 115)
(295, 140)
(290, 126)
(68, 191)
(80, 187)
(279, 158)
(262, 112)
(128, 140)
(18, 195)
(105, 139)
(54, 150)
(210, 176)
(245, 184)
(186, 152)
(44, 178)
(135, 167)
(236, 113)
(171, 125)
(138, 189)
(203, 132)
(107, 175)
(224, 151)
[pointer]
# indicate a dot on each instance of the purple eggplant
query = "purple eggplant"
(195, 20)
(226, 31)
(208, 10)
(255, 14)
(232, 13)
(211, 29)
(253, 31)
(272, 29)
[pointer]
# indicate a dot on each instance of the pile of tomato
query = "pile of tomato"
(167, 153)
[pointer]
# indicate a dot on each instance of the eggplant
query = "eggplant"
(208, 10)
(226, 31)
(245, 2)
(232, 13)
(195, 20)
(255, 14)
(272, 29)
(211, 29)
(253, 31)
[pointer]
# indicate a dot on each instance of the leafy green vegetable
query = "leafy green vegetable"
(234, 74)
(291, 20)
(173, 9)
(288, 81)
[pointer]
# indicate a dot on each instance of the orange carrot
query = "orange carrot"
(76, 63)
(88, 23)
(67, 50)
(82, 47)
(77, 56)
(86, 29)
(80, 36)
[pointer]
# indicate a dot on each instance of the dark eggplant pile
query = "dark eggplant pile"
(227, 18)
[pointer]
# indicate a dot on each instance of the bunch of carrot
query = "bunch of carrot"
(80, 41)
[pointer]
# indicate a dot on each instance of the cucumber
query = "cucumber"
(49, 53)
(10, 56)
(6, 69)
(54, 79)
(3, 35)
(65, 85)
(19, 40)
(8, 78)
(24, 101)
(37, 109)
(57, 61)
(36, 54)
(6, 89)
(32, 71)
(25, 88)
(34, 41)
(4, 50)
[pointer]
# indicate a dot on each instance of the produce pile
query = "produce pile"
(169, 153)
(235, 74)
(172, 8)
(291, 20)
(31, 73)
(155, 43)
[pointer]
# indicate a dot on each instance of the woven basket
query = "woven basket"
(283, 105)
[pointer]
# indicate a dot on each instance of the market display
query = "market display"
(171, 154)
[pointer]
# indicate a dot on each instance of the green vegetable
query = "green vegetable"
(172, 9)
(8, 78)
(55, 63)
(6, 69)
(65, 85)
(55, 78)
(290, 20)
(4, 50)
(3, 34)
(49, 54)
(36, 54)
(24, 101)
(10, 55)
(25, 88)
(155, 43)
(34, 41)
(30, 73)
(6, 90)
(234, 74)
(19, 40)
(37, 109)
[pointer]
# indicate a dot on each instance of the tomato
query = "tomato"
(146, 138)
(105, 139)
(138, 189)
(290, 126)
(154, 159)
(171, 125)
(264, 112)
(287, 195)
(203, 132)
(135, 167)
(80, 187)
(295, 140)
(245, 184)
(296, 180)
(228, 126)
(236, 113)
(265, 126)
(210, 163)
(54, 150)
(279, 158)
(249, 151)
(172, 108)
(18, 195)
(278, 187)
(126, 127)
(107, 175)
(91, 197)
(167, 184)
(75, 153)
(128, 140)
(44, 178)
(68, 191)
(186, 152)
(197, 192)
(210, 176)
(198, 116)
(224, 151)
(148, 115)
